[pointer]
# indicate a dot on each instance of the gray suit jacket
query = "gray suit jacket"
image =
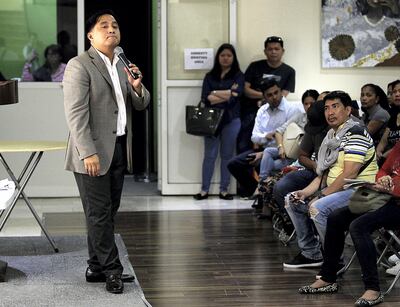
(91, 111)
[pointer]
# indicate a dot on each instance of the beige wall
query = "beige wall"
(298, 22)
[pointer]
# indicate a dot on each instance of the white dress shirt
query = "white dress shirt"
(269, 119)
(112, 70)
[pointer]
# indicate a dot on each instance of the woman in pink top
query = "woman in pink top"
(51, 71)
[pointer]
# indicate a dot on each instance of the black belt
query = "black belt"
(121, 139)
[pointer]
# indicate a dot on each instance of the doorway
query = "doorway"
(135, 21)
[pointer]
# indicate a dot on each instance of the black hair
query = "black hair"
(309, 93)
(363, 7)
(342, 96)
(273, 39)
(379, 92)
(54, 49)
(268, 84)
(394, 83)
(94, 18)
(215, 72)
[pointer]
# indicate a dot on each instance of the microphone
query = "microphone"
(120, 54)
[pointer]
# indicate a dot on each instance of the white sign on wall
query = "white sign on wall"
(199, 58)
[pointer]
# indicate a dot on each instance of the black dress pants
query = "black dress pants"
(100, 198)
(361, 228)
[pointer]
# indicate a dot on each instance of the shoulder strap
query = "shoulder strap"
(366, 164)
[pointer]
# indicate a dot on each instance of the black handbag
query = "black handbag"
(203, 121)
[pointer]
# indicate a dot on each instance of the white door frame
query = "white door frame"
(165, 186)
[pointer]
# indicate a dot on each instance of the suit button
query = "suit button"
(116, 112)
(115, 131)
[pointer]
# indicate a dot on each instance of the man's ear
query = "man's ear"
(348, 110)
(89, 36)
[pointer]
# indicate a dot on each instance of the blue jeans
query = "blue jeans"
(271, 162)
(292, 181)
(299, 213)
(226, 142)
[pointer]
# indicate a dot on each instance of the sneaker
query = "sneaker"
(302, 262)
(394, 270)
(393, 259)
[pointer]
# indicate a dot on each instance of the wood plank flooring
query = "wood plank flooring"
(223, 258)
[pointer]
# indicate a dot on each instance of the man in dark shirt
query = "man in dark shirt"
(257, 74)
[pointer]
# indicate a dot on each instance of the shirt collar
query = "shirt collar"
(106, 59)
(280, 107)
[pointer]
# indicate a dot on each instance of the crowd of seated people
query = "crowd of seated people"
(275, 158)
(392, 132)
(338, 144)
(360, 227)
(270, 116)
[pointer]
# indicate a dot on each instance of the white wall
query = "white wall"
(39, 115)
(298, 23)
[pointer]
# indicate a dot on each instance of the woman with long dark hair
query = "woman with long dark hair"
(222, 87)
(375, 106)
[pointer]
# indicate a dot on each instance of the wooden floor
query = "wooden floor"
(223, 258)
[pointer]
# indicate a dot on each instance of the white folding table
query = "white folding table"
(36, 150)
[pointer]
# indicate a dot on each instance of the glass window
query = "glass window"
(31, 28)
(194, 24)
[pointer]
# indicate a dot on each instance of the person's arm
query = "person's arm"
(138, 92)
(305, 160)
(219, 96)
(259, 135)
(251, 93)
(307, 148)
(290, 83)
(27, 73)
(76, 85)
(350, 171)
(236, 89)
(310, 189)
(382, 144)
(388, 175)
(374, 126)
(279, 142)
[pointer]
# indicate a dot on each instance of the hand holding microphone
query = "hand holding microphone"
(120, 54)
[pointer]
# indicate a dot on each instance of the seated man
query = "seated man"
(361, 226)
(274, 158)
(315, 131)
(270, 116)
(347, 151)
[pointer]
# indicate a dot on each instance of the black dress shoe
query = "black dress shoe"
(114, 284)
(198, 196)
(93, 276)
(226, 196)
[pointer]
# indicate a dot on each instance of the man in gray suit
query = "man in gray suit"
(98, 100)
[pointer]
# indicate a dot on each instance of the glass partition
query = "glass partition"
(194, 24)
(31, 28)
